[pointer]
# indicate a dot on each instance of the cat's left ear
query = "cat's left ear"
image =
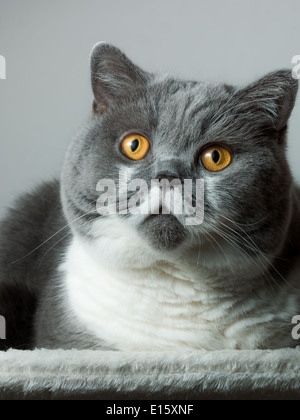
(272, 98)
(113, 76)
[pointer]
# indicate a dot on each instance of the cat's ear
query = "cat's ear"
(272, 97)
(113, 75)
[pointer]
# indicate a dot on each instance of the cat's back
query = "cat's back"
(31, 238)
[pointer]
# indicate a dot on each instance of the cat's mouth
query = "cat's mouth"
(163, 231)
(162, 211)
(163, 216)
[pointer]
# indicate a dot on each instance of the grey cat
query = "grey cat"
(71, 278)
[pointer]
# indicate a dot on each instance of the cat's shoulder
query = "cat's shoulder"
(34, 206)
(34, 217)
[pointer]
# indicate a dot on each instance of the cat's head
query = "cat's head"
(148, 127)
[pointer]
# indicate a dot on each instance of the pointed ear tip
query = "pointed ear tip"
(283, 78)
(287, 74)
(99, 47)
(292, 81)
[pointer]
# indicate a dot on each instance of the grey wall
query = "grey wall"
(47, 44)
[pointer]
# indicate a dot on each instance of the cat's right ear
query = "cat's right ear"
(113, 75)
(271, 99)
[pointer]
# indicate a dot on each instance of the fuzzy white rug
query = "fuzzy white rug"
(44, 374)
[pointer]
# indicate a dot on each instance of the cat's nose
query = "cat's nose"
(169, 169)
(170, 176)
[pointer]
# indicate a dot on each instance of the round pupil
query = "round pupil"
(135, 145)
(215, 156)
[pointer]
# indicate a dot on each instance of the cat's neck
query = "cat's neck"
(127, 257)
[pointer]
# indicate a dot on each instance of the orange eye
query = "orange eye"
(215, 158)
(135, 146)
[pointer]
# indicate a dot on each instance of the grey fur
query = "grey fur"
(255, 197)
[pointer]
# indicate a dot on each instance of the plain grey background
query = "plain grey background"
(47, 45)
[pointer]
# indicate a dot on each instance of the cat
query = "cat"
(74, 278)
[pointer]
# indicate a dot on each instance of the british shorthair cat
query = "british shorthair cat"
(71, 277)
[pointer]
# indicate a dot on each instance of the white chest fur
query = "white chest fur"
(131, 309)
(161, 307)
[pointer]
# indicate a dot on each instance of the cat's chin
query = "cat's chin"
(163, 232)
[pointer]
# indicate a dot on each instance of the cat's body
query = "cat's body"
(71, 278)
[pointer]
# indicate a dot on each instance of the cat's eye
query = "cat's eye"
(215, 158)
(135, 146)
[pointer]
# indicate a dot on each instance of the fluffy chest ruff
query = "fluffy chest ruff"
(162, 307)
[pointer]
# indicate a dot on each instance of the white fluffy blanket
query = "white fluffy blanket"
(44, 374)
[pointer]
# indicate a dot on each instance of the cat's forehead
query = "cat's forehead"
(166, 87)
(176, 92)
(184, 108)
